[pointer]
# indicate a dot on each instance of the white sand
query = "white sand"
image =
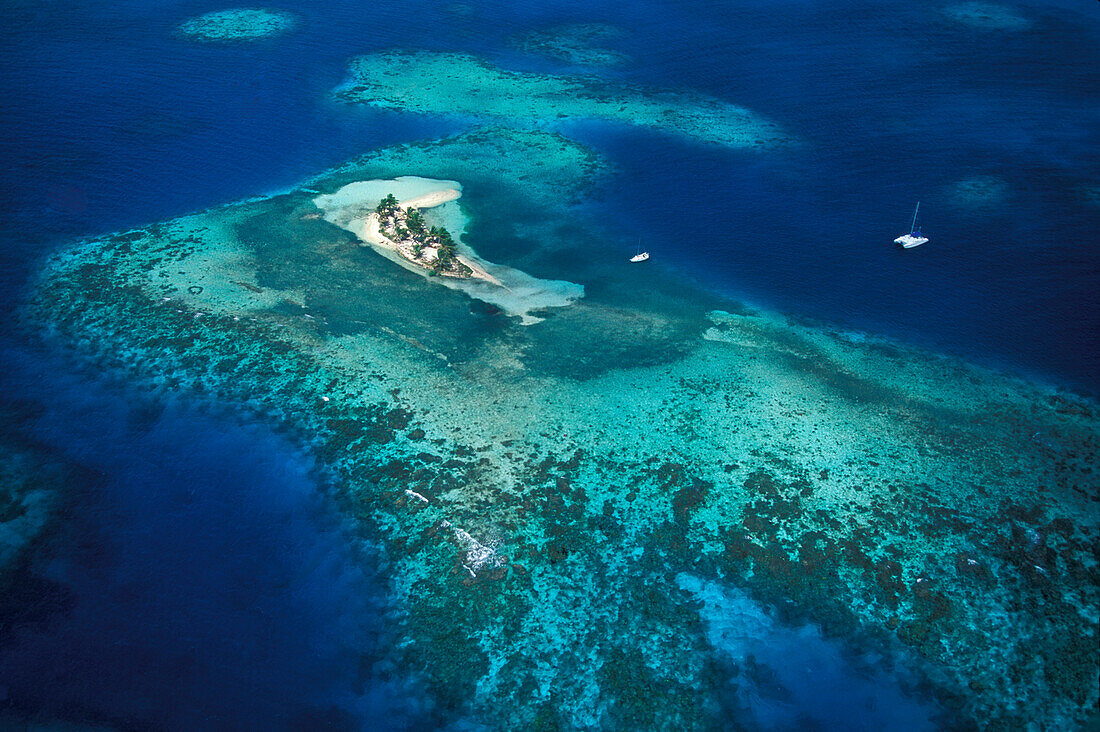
(431, 200)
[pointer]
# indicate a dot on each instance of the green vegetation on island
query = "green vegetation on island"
(431, 247)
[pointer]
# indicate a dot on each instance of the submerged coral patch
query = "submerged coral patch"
(579, 44)
(980, 192)
(1090, 194)
(32, 484)
(463, 85)
(987, 16)
(238, 24)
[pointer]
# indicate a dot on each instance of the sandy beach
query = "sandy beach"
(431, 200)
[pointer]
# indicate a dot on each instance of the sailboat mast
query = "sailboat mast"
(914, 226)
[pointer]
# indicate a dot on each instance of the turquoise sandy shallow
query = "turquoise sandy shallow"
(573, 509)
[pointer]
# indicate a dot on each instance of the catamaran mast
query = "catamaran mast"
(914, 226)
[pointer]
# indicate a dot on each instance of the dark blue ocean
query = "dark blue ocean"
(199, 578)
(204, 572)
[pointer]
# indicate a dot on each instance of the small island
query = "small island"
(415, 223)
(397, 225)
(405, 229)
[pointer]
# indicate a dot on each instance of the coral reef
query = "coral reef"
(456, 84)
(238, 24)
(32, 489)
(554, 498)
(577, 44)
(979, 193)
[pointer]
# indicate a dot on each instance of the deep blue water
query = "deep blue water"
(203, 558)
(895, 105)
(200, 579)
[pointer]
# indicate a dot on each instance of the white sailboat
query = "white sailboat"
(914, 238)
(640, 256)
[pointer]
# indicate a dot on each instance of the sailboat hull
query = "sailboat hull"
(914, 238)
(908, 241)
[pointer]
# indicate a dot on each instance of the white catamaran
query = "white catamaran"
(914, 238)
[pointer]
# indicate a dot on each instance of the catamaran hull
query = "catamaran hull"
(908, 241)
